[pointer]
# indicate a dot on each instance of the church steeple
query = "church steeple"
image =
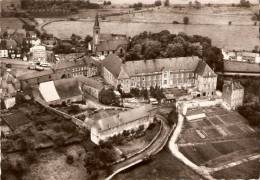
(96, 25)
(96, 33)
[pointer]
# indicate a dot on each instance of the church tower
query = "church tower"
(96, 33)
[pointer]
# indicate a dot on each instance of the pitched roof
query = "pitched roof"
(35, 74)
(16, 119)
(90, 82)
(67, 88)
(113, 64)
(110, 45)
(81, 61)
(11, 44)
(123, 118)
(204, 70)
(158, 65)
(48, 91)
(233, 85)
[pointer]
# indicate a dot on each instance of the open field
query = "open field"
(203, 22)
(223, 38)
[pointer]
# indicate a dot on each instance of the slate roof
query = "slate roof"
(68, 64)
(123, 118)
(111, 45)
(16, 120)
(113, 64)
(234, 85)
(90, 82)
(204, 70)
(158, 65)
(35, 74)
(67, 88)
(10, 43)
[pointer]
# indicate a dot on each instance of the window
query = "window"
(165, 75)
(165, 82)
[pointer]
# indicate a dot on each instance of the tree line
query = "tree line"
(164, 44)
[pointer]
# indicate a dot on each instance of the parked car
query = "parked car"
(39, 68)
(45, 65)
(153, 101)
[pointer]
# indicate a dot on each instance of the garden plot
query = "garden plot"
(215, 121)
(227, 147)
(248, 170)
(201, 153)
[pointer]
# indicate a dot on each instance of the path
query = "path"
(153, 149)
(203, 171)
(235, 163)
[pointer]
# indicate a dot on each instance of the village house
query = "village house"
(182, 72)
(233, 94)
(85, 66)
(61, 91)
(124, 121)
(105, 44)
(90, 86)
(38, 53)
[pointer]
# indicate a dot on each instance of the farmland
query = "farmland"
(226, 138)
(203, 22)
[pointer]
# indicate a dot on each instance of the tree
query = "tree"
(87, 40)
(167, 3)
(186, 20)
(158, 3)
(244, 3)
(197, 5)
(69, 159)
(173, 116)
(108, 97)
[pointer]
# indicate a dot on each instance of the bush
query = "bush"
(186, 20)
(69, 159)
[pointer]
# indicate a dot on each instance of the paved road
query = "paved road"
(155, 147)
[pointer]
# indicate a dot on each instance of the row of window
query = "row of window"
(179, 75)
